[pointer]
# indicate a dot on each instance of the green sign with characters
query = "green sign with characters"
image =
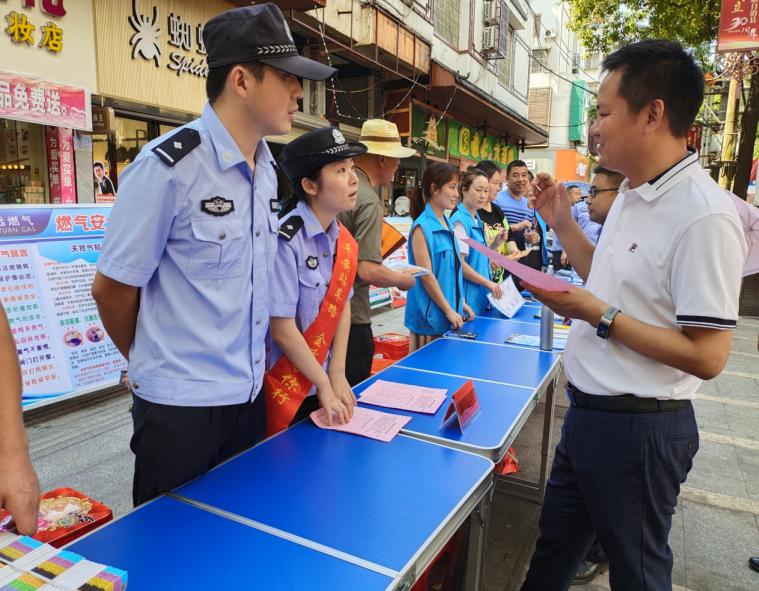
(467, 142)
(430, 131)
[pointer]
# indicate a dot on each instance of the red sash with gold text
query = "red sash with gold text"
(285, 386)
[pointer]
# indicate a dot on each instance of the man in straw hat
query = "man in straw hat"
(376, 168)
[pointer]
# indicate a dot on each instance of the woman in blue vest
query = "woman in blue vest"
(436, 303)
(475, 190)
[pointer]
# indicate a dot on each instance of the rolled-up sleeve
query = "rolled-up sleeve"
(284, 285)
(140, 222)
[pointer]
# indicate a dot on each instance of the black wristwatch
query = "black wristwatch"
(604, 325)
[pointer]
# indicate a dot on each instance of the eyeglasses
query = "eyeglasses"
(593, 191)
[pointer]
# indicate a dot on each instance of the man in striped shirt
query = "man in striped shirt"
(513, 201)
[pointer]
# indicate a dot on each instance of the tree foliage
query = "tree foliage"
(604, 25)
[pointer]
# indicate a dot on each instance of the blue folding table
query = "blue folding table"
(509, 381)
(490, 329)
(170, 545)
(386, 507)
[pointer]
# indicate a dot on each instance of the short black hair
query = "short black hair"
(488, 167)
(610, 173)
(97, 163)
(514, 164)
(660, 69)
(217, 78)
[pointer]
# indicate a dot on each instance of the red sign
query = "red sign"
(26, 98)
(60, 165)
(695, 133)
(464, 404)
(739, 26)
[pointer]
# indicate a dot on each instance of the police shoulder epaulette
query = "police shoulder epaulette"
(177, 146)
(290, 227)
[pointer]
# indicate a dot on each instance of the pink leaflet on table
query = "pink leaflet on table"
(365, 422)
(525, 273)
(404, 397)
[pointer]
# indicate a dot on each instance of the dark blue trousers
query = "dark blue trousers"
(617, 476)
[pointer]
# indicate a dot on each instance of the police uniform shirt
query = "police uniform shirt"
(671, 254)
(197, 231)
(304, 269)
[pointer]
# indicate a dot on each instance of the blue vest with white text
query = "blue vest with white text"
(422, 314)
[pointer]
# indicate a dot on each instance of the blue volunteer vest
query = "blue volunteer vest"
(422, 314)
(476, 295)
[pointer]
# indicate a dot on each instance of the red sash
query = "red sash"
(285, 386)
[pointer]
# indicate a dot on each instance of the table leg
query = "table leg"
(545, 452)
(479, 522)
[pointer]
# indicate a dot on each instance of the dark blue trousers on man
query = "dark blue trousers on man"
(616, 475)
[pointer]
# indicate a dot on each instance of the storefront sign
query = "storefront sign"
(185, 40)
(42, 34)
(47, 263)
(103, 119)
(429, 132)
(27, 98)
(469, 143)
(739, 26)
(151, 52)
(60, 165)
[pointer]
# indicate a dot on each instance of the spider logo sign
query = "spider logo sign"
(146, 36)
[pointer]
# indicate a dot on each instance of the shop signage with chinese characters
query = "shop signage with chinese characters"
(47, 263)
(60, 163)
(472, 144)
(185, 40)
(151, 52)
(32, 29)
(27, 98)
(738, 26)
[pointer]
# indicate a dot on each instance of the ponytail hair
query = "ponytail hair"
(437, 174)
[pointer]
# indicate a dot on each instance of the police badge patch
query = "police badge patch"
(312, 262)
(217, 206)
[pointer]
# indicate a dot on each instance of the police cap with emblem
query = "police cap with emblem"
(310, 152)
(258, 34)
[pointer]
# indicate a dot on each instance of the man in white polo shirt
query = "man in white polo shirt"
(655, 319)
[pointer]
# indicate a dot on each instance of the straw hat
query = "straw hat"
(382, 138)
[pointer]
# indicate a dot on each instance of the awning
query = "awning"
(471, 104)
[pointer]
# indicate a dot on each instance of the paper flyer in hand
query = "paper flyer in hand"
(369, 423)
(404, 397)
(525, 273)
(510, 301)
(404, 267)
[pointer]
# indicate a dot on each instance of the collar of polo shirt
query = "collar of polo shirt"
(664, 181)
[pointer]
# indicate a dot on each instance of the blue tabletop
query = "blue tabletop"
(490, 431)
(497, 330)
(382, 502)
(505, 364)
(169, 545)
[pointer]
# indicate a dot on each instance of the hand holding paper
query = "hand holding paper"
(525, 273)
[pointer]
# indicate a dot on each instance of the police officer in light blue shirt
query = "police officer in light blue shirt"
(183, 279)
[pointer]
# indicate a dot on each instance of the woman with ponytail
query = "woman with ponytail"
(466, 222)
(436, 303)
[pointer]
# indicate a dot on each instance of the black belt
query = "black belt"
(621, 403)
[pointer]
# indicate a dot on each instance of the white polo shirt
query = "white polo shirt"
(670, 254)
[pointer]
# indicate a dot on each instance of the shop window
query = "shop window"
(131, 136)
(23, 166)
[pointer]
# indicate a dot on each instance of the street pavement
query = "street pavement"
(85, 445)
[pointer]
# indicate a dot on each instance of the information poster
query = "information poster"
(47, 262)
(403, 225)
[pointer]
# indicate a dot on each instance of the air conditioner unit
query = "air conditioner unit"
(551, 34)
(489, 13)
(489, 39)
